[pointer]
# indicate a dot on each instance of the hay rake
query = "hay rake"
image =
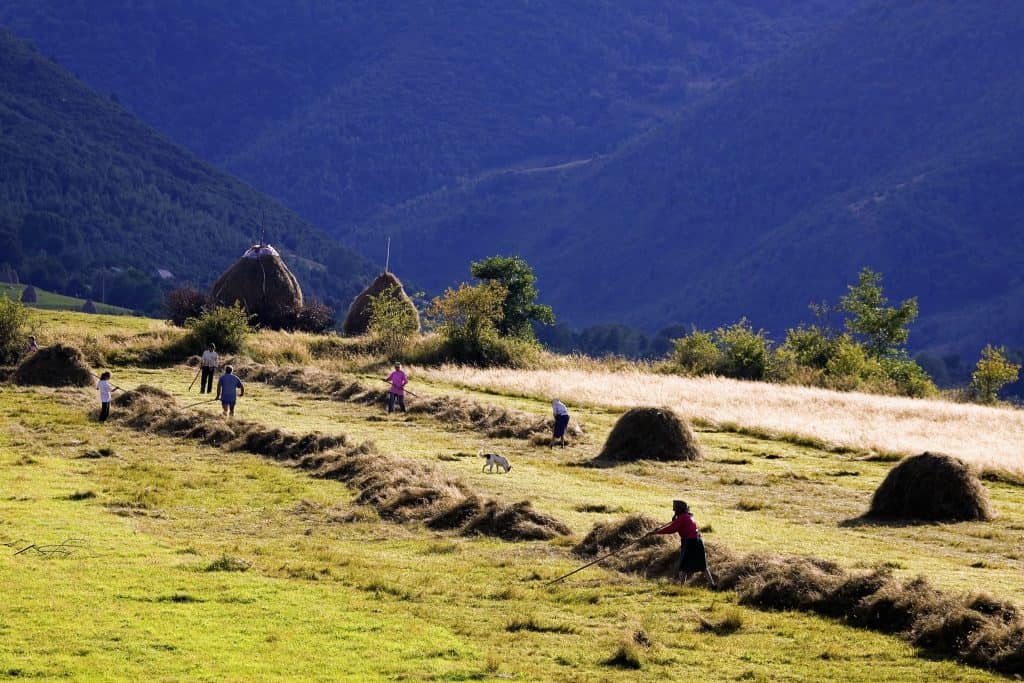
(593, 562)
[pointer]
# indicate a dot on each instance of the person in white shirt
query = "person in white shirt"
(209, 368)
(561, 414)
(105, 390)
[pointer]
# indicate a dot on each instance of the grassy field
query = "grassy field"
(985, 436)
(191, 562)
(57, 302)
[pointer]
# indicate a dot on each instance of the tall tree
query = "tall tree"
(520, 305)
(882, 329)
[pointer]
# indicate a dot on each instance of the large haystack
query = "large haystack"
(930, 487)
(54, 366)
(650, 434)
(263, 285)
(357, 321)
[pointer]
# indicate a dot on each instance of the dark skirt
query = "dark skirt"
(561, 422)
(692, 557)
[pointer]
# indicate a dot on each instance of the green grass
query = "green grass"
(201, 564)
(57, 302)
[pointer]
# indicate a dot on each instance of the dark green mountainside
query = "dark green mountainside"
(340, 108)
(93, 201)
(893, 140)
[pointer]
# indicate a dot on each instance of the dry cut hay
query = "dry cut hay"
(263, 286)
(652, 556)
(930, 487)
(970, 627)
(54, 366)
(650, 434)
(399, 489)
(461, 413)
(357, 322)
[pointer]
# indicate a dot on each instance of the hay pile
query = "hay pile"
(649, 434)
(971, 627)
(399, 489)
(263, 285)
(516, 522)
(930, 487)
(54, 366)
(655, 556)
(460, 413)
(357, 321)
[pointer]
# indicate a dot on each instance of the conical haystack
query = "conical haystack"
(650, 434)
(263, 285)
(54, 366)
(930, 487)
(357, 321)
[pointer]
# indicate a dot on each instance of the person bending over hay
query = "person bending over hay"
(930, 487)
(650, 434)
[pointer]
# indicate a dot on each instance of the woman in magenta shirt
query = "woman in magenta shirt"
(398, 380)
(692, 556)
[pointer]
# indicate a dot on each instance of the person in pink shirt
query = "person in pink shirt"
(692, 556)
(397, 380)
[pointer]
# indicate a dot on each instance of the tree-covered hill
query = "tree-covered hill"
(893, 140)
(93, 202)
(339, 108)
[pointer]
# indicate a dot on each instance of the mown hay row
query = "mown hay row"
(460, 413)
(974, 628)
(400, 489)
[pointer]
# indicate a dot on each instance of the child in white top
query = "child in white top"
(105, 390)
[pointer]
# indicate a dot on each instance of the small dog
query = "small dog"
(495, 461)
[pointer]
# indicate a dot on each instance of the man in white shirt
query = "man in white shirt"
(209, 368)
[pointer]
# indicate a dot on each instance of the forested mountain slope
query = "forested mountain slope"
(339, 108)
(85, 187)
(893, 140)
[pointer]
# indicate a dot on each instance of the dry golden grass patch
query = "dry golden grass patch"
(984, 436)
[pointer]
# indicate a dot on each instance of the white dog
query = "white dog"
(494, 460)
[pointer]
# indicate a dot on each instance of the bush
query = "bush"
(745, 352)
(28, 295)
(696, 353)
(315, 317)
(811, 346)
(467, 319)
(184, 303)
(225, 326)
(909, 377)
(850, 368)
(13, 319)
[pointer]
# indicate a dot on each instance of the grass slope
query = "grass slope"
(331, 591)
(57, 302)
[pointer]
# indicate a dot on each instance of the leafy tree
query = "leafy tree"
(881, 329)
(520, 305)
(13, 318)
(184, 303)
(392, 322)
(992, 373)
(315, 316)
